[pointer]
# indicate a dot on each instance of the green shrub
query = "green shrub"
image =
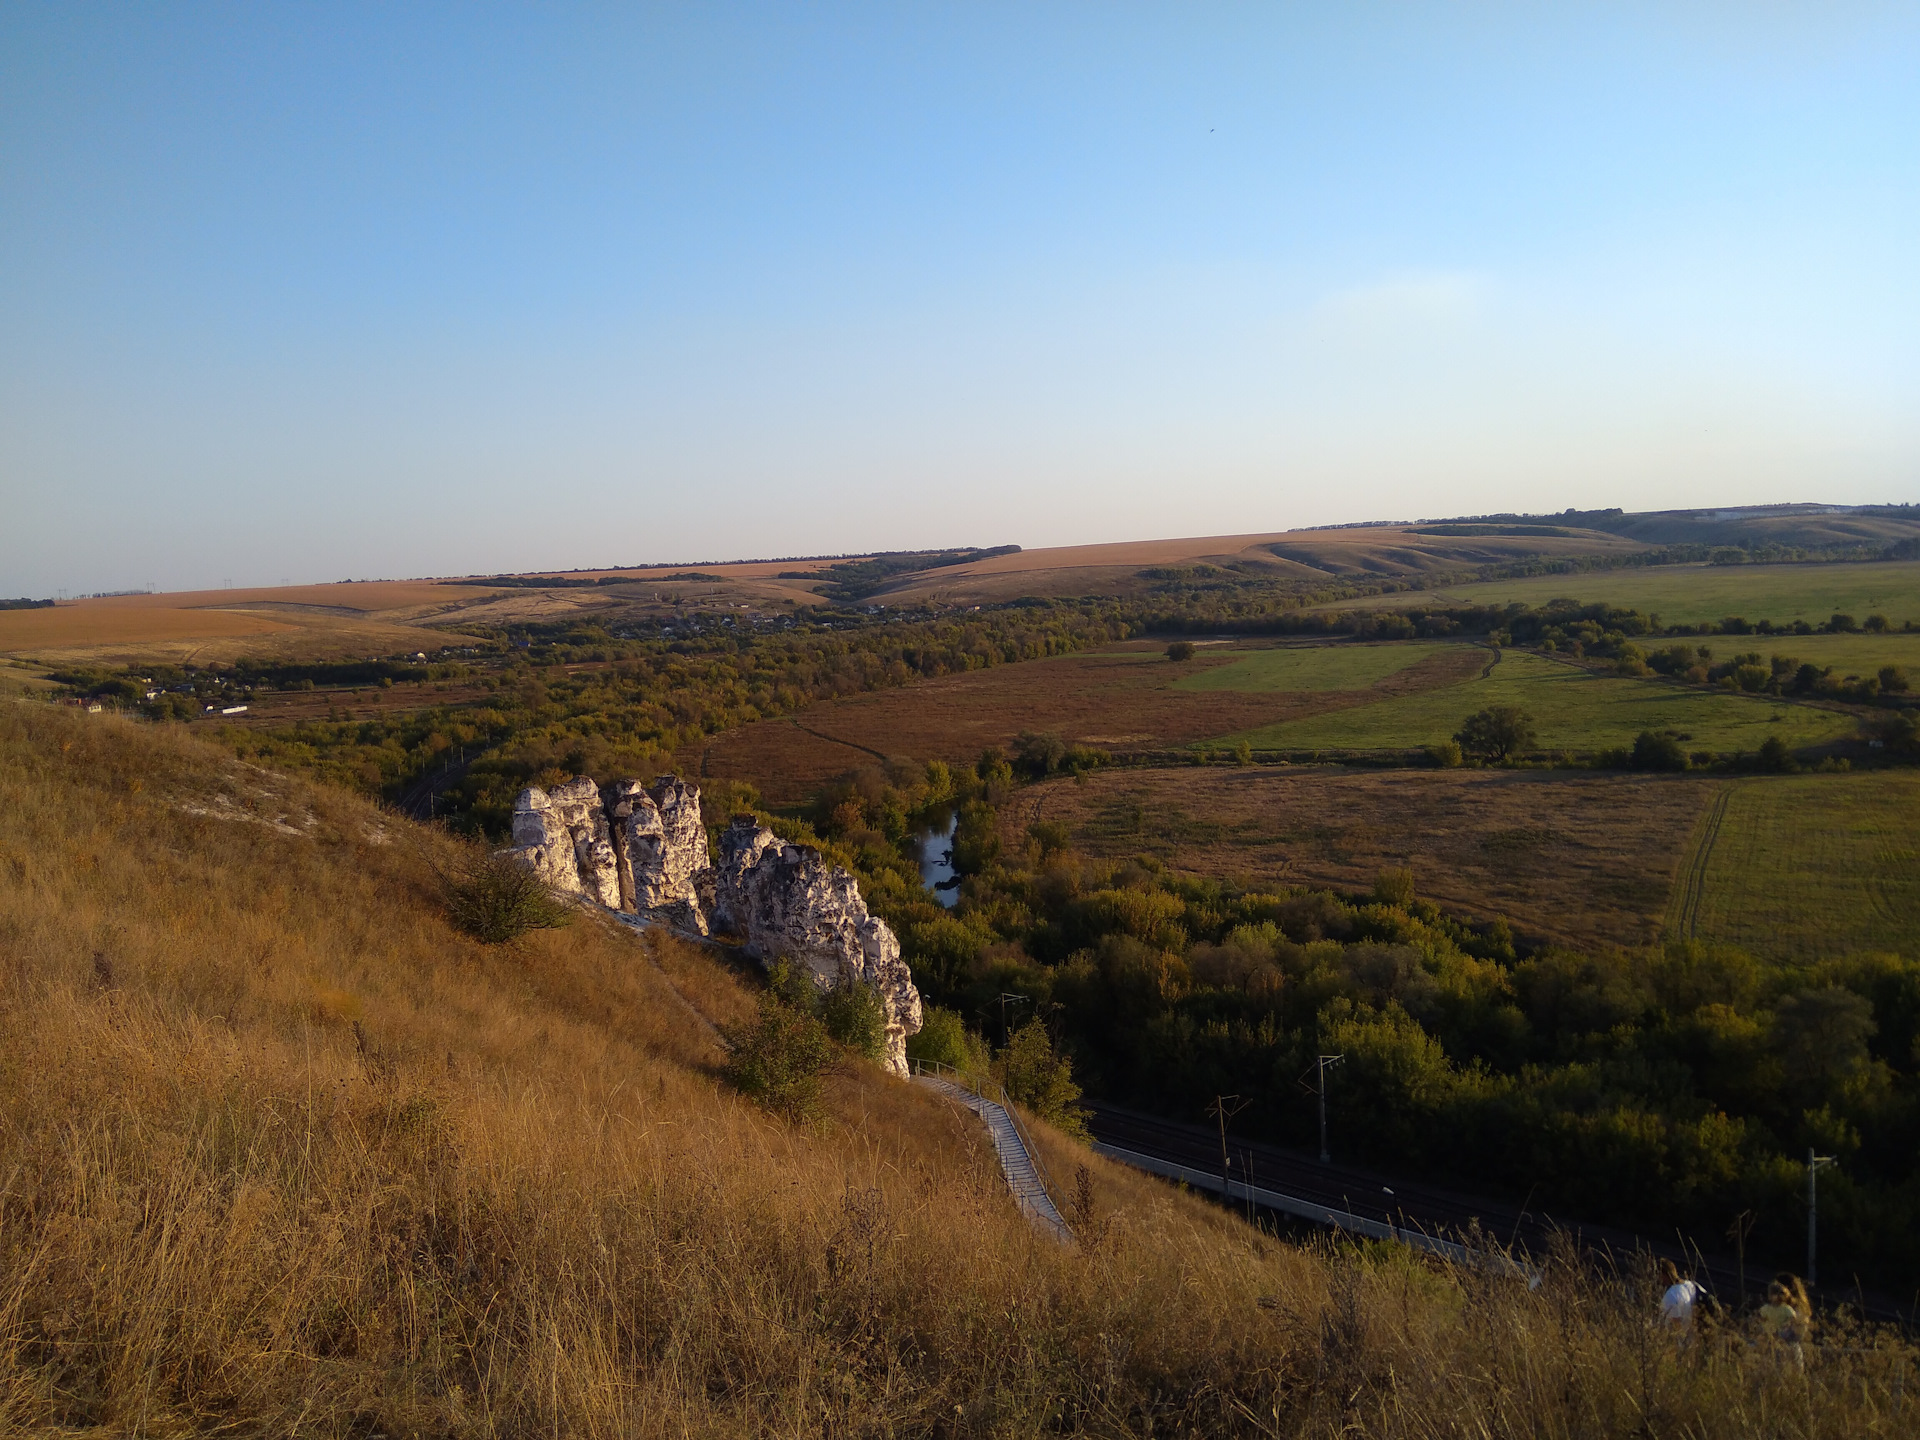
(1180, 650)
(495, 899)
(852, 1015)
(779, 1058)
(1657, 752)
(1051, 837)
(1037, 1078)
(944, 1039)
(1394, 887)
(1446, 754)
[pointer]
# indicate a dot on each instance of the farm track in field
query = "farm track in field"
(1693, 885)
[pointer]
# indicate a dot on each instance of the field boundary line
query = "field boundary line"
(835, 740)
(1693, 884)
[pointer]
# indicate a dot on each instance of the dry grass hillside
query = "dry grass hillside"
(290, 622)
(281, 1152)
(1357, 552)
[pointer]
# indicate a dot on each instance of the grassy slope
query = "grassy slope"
(281, 1152)
(1847, 654)
(1807, 866)
(1311, 667)
(1689, 594)
(1573, 708)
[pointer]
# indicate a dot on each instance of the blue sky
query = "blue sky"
(316, 291)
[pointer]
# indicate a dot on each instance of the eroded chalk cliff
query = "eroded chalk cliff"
(643, 849)
(786, 902)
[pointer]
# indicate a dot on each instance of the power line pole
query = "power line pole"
(1815, 1164)
(1223, 1109)
(1324, 1063)
(1005, 1000)
(1737, 1232)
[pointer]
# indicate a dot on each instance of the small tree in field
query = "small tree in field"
(1180, 650)
(778, 1059)
(1497, 733)
(1042, 1080)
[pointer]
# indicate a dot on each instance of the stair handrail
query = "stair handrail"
(975, 1082)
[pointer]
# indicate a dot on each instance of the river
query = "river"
(935, 844)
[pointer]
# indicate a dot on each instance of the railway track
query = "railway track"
(1374, 1199)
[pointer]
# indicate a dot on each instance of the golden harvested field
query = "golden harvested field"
(1801, 867)
(1587, 860)
(294, 622)
(70, 627)
(1359, 552)
(348, 597)
(1126, 697)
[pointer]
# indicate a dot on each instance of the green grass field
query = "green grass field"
(1847, 654)
(1315, 667)
(1688, 594)
(1806, 866)
(1574, 709)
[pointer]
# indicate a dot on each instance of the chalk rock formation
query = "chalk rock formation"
(785, 902)
(661, 845)
(542, 843)
(640, 850)
(644, 850)
(577, 804)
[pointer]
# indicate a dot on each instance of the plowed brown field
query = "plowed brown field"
(1582, 859)
(1122, 698)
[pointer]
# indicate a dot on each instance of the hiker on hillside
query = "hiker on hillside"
(1787, 1316)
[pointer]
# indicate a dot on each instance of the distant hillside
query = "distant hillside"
(1812, 527)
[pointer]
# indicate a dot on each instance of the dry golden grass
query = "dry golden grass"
(70, 627)
(1580, 858)
(294, 622)
(280, 1152)
(1300, 554)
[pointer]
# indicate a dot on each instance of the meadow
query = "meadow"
(1573, 708)
(1127, 697)
(1806, 867)
(1691, 594)
(1862, 654)
(1316, 667)
(1577, 858)
(286, 1152)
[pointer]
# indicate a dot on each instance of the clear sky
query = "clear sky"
(311, 291)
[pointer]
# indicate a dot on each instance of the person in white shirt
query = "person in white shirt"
(1677, 1301)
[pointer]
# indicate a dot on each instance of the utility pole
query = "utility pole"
(1223, 1109)
(1007, 999)
(1815, 1164)
(1738, 1232)
(1325, 1063)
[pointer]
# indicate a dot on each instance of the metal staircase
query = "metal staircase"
(1019, 1161)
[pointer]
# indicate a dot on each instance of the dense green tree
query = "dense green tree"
(1661, 751)
(1497, 733)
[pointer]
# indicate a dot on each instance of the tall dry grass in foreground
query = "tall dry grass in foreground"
(284, 1153)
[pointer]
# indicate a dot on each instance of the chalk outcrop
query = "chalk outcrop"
(643, 849)
(635, 849)
(786, 902)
